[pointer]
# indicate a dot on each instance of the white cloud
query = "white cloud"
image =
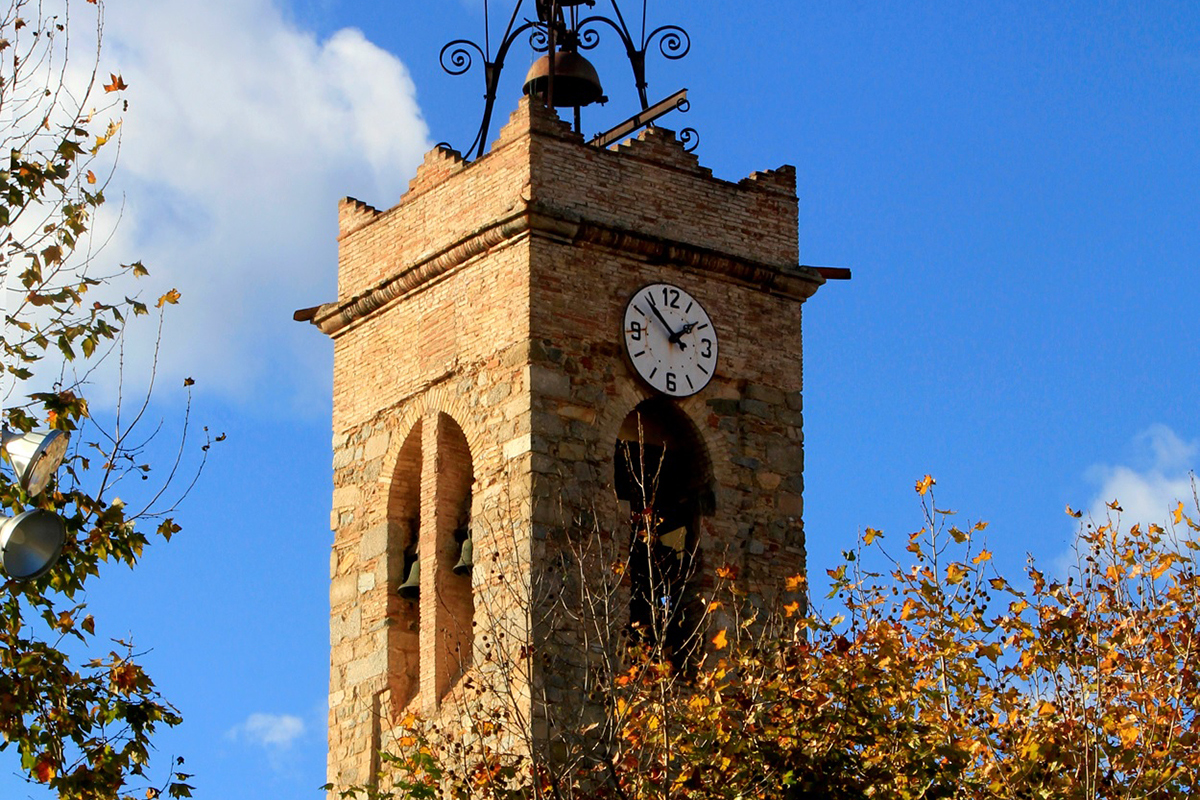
(276, 732)
(1148, 489)
(242, 133)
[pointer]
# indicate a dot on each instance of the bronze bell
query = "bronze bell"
(575, 80)
(411, 588)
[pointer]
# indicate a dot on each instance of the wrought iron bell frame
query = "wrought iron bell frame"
(562, 25)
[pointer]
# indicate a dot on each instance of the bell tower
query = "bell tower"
(563, 371)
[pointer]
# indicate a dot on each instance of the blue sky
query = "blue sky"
(1014, 185)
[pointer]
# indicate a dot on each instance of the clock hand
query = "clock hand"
(684, 331)
(672, 337)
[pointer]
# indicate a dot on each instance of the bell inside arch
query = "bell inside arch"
(411, 588)
(576, 82)
(466, 557)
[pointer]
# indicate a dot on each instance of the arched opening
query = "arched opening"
(455, 612)
(403, 600)
(663, 482)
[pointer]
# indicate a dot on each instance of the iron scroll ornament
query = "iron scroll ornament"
(673, 42)
(571, 32)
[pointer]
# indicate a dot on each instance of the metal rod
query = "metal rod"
(641, 119)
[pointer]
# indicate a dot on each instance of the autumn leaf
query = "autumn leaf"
(955, 574)
(44, 770)
(171, 297)
(871, 535)
(1114, 506)
(116, 84)
(791, 609)
(125, 676)
(924, 484)
(1128, 732)
(727, 572)
(1073, 513)
(91, 177)
(720, 641)
(795, 583)
(1178, 513)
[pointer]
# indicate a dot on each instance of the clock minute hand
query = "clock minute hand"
(672, 337)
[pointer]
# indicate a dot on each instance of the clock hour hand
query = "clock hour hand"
(675, 338)
(672, 337)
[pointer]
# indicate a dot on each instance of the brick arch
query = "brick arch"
(631, 394)
(411, 427)
(440, 399)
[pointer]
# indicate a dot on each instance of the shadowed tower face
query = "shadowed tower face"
(553, 351)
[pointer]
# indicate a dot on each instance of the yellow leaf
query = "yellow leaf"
(171, 297)
(1179, 513)
(116, 84)
(1128, 732)
(1047, 709)
(871, 535)
(1114, 506)
(91, 176)
(720, 641)
(955, 574)
(791, 609)
(795, 583)
(983, 556)
(1072, 513)
(924, 484)
(113, 127)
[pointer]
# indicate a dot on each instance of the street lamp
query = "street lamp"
(32, 541)
(35, 456)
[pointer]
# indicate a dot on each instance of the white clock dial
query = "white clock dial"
(670, 339)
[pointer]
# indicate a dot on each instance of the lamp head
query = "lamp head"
(35, 456)
(30, 543)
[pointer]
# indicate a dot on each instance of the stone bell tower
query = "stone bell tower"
(518, 343)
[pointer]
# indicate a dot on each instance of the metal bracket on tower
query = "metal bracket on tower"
(677, 101)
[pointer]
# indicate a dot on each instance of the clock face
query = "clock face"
(670, 339)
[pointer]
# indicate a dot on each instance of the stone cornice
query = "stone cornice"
(796, 282)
